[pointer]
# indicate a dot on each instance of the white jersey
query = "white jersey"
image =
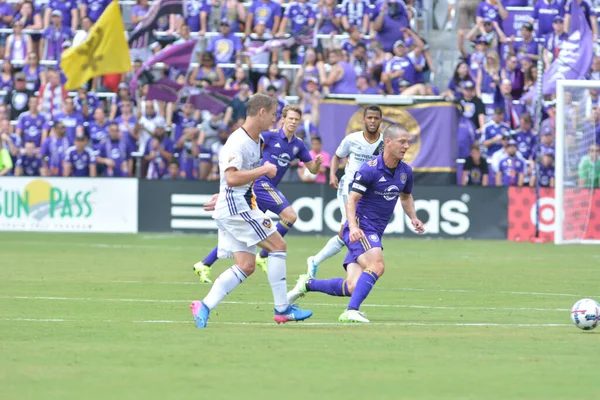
(359, 151)
(243, 153)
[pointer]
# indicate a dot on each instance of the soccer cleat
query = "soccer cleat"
(312, 267)
(261, 262)
(200, 313)
(353, 316)
(299, 290)
(292, 313)
(203, 271)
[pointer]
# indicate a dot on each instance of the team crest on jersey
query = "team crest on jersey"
(230, 159)
(403, 178)
(267, 223)
(295, 150)
(372, 163)
(374, 238)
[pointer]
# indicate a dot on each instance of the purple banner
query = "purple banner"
(139, 38)
(433, 127)
(513, 23)
(575, 55)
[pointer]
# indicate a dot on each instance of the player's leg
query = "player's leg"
(287, 219)
(276, 247)
(203, 268)
(373, 267)
(335, 244)
(232, 243)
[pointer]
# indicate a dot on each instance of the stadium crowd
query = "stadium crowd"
(47, 131)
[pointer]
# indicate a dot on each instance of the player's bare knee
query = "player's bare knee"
(351, 284)
(277, 243)
(378, 267)
(247, 267)
(289, 215)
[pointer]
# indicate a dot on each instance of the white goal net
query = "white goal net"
(577, 163)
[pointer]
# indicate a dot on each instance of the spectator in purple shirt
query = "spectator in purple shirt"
(554, 39)
(98, 129)
(30, 17)
(588, 10)
(528, 47)
(341, 79)
(328, 20)
(29, 163)
(511, 169)
(364, 87)
(544, 12)
(80, 160)
(545, 172)
(115, 154)
(297, 15)
(127, 121)
(93, 9)
(226, 47)
(356, 12)
(54, 150)
(71, 119)
(158, 153)
(387, 19)
(30, 123)
(68, 9)
(493, 10)
(139, 11)
(263, 11)
(86, 102)
(7, 13)
(54, 37)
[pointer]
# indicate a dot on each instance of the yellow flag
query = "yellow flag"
(104, 51)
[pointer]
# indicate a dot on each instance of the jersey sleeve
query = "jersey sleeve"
(363, 179)
(303, 154)
(343, 149)
(230, 158)
(92, 158)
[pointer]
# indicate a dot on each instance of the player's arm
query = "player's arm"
(335, 164)
(235, 177)
(353, 197)
(408, 205)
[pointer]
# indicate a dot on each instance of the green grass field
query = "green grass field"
(106, 317)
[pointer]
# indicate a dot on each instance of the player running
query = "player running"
(281, 146)
(371, 203)
(242, 226)
(359, 147)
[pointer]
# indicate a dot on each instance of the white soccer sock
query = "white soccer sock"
(224, 285)
(276, 273)
(333, 246)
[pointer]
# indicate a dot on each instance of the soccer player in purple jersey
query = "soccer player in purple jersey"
(281, 146)
(370, 207)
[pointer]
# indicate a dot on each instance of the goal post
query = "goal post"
(574, 201)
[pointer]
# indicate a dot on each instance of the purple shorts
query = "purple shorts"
(268, 197)
(371, 240)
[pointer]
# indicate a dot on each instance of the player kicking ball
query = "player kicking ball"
(242, 226)
(359, 147)
(281, 146)
(371, 203)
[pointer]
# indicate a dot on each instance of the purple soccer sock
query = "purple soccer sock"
(283, 227)
(211, 257)
(332, 287)
(365, 283)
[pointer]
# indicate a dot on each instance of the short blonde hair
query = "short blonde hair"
(289, 108)
(258, 102)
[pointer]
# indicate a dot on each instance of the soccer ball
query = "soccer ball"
(586, 314)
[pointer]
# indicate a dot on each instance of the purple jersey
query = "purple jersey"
(280, 152)
(380, 188)
(125, 126)
(545, 175)
(80, 162)
(158, 166)
(395, 18)
(194, 8)
(71, 122)
(490, 131)
(188, 164)
(326, 17)
(181, 123)
(543, 149)
(224, 48)
(347, 83)
(54, 151)
(552, 42)
(6, 9)
(65, 7)
(98, 133)
(31, 127)
(118, 151)
(487, 10)
(95, 8)
(522, 48)
(31, 164)
(299, 14)
(54, 42)
(399, 64)
(510, 168)
(265, 13)
(93, 103)
(355, 10)
(587, 9)
(544, 14)
(525, 142)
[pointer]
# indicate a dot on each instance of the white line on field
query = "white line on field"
(51, 298)
(302, 324)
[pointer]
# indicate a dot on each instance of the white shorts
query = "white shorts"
(342, 196)
(241, 232)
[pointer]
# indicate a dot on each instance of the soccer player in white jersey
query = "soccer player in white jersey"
(242, 226)
(359, 147)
